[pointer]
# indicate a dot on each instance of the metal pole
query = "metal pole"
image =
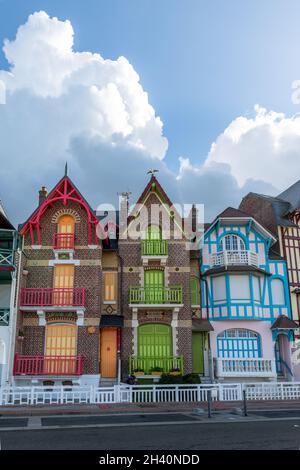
(209, 403)
(245, 403)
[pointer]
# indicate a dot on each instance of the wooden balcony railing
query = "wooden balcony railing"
(52, 297)
(48, 365)
(63, 241)
(234, 258)
(154, 248)
(147, 364)
(6, 258)
(4, 316)
(155, 295)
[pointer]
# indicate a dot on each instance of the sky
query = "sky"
(201, 90)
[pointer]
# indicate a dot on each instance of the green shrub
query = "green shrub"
(170, 379)
(191, 379)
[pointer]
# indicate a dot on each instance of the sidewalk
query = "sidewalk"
(123, 408)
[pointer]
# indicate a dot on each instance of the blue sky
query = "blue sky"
(202, 62)
(204, 65)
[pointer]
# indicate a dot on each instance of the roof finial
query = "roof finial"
(152, 171)
(66, 169)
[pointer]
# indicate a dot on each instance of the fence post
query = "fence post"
(209, 403)
(32, 396)
(117, 393)
(245, 402)
(61, 395)
(92, 394)
(154, 394)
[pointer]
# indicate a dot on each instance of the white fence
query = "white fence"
(147, 393)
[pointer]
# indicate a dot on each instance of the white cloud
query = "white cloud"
(265, 146)
(77, 106)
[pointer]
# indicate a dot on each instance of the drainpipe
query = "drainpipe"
(120, 298)
(210, 358)
(15, 292)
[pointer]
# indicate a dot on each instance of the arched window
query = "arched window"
(232, 242)
(65, 235)
(66, 224)
(239, 343)
(153, 232)
(277, 288)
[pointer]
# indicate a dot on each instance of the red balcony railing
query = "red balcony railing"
(63, 241)
(48, 365)
(52, 297)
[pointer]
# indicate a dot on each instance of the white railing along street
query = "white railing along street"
(75, 394)
(246, 367)
(234, 258)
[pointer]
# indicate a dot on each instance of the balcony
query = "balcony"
(155, 295)
(246, 367)
(234, 258)
(48, 365)
(63, 241)
(147, 364)
(4, 316)
(52, 297)
(6, 260)
(154, 248)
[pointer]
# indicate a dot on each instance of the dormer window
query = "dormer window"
(64, 238)
(233, 242)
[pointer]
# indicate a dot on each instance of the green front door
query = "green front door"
(154, 346)
(198, 347)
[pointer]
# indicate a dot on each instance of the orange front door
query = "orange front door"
(108, 352)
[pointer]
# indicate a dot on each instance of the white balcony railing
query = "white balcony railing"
(234, 258)
(246, 367)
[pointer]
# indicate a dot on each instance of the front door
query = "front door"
(198, 338)
(108, 352)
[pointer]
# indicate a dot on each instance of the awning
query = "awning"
(282, 322)
(201, 324)
(112, 320)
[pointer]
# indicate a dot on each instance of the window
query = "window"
(110, 287)
(60, 349)
(153, 232)
(195, 294)
(239, 343)
(66, 224)
(219, 288)
(233, 243)
(256, 289)
(239, 287)
(277, 289)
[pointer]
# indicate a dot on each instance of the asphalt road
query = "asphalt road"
(252, 435)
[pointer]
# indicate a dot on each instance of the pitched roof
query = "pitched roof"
(279, 206)
(232, 212)
(282, 322)
(201, 324)
(292, 196)
(4, 222)
(153, 181)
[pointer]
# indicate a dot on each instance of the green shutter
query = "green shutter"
(195, 294)
(154, 340)
(198, 345)
(153, 232)
(154, 278)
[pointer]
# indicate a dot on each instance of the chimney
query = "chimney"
(43, 193)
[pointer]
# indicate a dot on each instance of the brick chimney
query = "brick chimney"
(43, 193)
